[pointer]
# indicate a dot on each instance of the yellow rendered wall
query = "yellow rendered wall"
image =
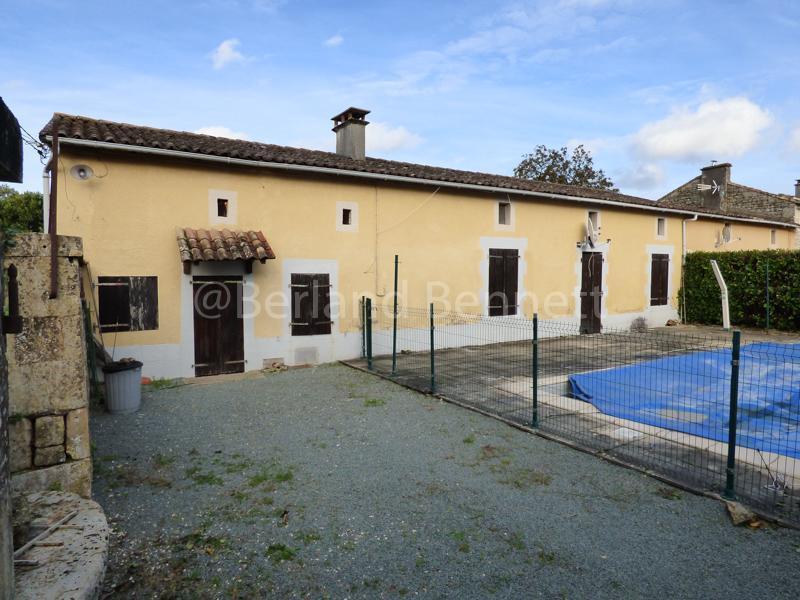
(704, 234)
(128, 212)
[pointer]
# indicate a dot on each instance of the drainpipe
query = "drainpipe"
(46, 198)
(683, 265)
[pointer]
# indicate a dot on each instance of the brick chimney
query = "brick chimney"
(350, 128)
(716, 177)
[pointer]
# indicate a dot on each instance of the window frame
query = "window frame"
(661, 235)
(507, 260)
(134, 297)
(305, 322)
(663, 258)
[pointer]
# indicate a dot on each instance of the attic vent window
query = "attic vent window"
(347, 216)
(726, 232)
(594, 219)
(504, 213)
(773, 237)
(222, 207)
(661, 227)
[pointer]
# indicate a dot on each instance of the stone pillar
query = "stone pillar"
(6, 537)
(47, 372)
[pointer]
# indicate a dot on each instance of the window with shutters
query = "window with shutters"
(659, 280)
(503, 281)
(127, 303)
(311, 304)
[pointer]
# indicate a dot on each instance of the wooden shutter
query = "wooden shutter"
(143, 295)
(503, 284)
(311, 304)
(659, 280)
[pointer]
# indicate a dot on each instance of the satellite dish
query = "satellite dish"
(81, 172)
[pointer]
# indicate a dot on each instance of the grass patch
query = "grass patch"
(201, 478)
(309, 537)
(271, 475)
(239, 495)
(547, 558)
(280, 552)
(374, 402)
(516, 541)
(470, 439)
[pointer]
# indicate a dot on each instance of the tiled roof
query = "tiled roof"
(740, 201)
(85, 128)
(200, 245)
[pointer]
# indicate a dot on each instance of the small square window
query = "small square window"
(773, 237)
(726, 232)
(504, 213)
(347, 216)
(222, 207)
(661, 227)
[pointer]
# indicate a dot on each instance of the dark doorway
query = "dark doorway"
(503, 284)
(591, 291)
(218, 325)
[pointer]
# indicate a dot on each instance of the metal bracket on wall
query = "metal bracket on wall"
(12, 322)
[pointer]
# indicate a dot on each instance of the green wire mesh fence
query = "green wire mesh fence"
(659, 400)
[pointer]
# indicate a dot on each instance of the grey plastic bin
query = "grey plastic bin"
(123, 386)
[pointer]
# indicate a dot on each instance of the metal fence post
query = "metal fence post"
(433, 361)
(362, 312)
(730, 470)
(535, 371)
(368, 330)
(394, 319)
(767, 295)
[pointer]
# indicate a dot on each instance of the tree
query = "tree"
(555, 166)
(20, 211)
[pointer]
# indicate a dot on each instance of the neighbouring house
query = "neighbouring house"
(210, 255)
(713, 191)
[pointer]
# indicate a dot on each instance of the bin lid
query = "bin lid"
(122, 365)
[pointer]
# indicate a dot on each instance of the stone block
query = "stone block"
(77, 444)
(21, 444)
(52, 455)
(41, 340)
(74, 476)
(49, 431)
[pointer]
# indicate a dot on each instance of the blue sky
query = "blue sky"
(655, 89)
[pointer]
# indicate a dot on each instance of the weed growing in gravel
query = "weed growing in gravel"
(374, 402)
(516, 541)
(668, 493)
(200, 478)
(309, 537)
(461, 538)
(526, 478)
(470, 439)
(163, 384)
(547, 558)
(161, 461)
(280, 552)
(239, 495)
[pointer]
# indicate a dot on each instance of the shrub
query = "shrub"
(745, 274)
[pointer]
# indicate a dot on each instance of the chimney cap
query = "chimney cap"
(716, 166)
(350, 114)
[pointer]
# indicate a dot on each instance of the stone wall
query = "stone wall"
(48, 378)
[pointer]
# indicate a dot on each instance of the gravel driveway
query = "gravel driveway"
(329, 482)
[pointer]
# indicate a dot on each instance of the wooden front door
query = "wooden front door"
(503, 281)
(218, 325)
(591, 291)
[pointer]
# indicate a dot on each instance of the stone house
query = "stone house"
(713, 191)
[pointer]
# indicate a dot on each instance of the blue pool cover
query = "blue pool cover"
(690, 393)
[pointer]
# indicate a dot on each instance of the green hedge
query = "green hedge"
(745, 274)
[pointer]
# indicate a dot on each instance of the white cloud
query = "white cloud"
(716, 129)
(642, 176)
(226, 53)
(794, 139)
(221, 131)
(383, 137)
(334, 40)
